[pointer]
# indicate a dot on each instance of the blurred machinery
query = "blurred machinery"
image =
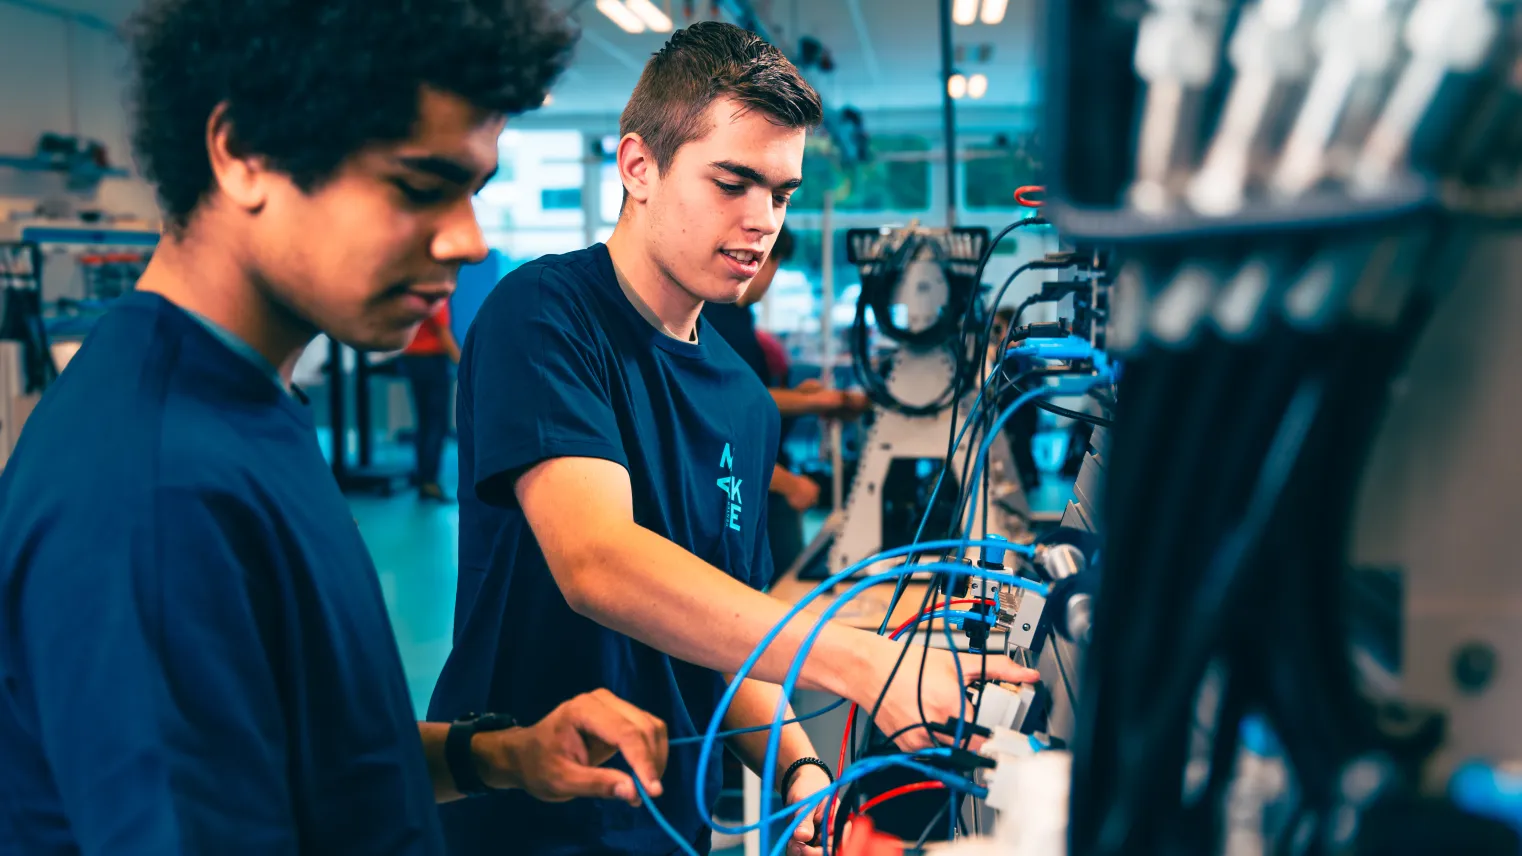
(56, 278)
(1299, 583)
(919, 286)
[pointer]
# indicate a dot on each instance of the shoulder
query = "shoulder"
(548, 287)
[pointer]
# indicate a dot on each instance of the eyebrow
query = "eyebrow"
(448, 170)
(754, 175)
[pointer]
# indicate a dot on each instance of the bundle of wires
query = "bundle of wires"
(981, 419)
(1230, 487)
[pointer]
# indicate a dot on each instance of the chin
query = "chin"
(379, 339)
(727, 291)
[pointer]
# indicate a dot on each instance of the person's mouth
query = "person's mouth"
(423, 301)
(744, 262)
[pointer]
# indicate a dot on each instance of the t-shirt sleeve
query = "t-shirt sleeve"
(150, 662)
(538, 384)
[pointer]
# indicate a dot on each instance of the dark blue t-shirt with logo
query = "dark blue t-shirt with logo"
(560, 363)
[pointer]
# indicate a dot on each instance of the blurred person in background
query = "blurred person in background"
(791, 493)
(428, 363)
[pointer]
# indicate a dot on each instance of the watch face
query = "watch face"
(493, 722)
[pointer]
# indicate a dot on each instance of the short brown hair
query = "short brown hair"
(701, 64)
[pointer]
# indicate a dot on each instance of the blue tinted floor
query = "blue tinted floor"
(414, 545)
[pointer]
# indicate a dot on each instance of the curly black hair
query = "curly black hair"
(307, 83)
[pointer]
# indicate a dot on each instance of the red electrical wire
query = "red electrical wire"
(845, 739)
(1022, 199)
(897, 792)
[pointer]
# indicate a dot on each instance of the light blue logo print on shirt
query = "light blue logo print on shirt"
(731, 487)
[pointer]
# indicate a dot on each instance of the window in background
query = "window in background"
(993, 170)
(534, 204)
(611, 197)
(897, 178)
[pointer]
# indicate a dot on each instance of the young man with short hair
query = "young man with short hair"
(614, 457)
(195, 656)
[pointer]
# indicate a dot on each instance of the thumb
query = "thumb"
(805, 831)
(599, 783)
(1005, 669)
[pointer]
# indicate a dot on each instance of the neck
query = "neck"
(677, 308)
(208, 281)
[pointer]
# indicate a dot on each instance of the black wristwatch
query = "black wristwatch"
(457, 754)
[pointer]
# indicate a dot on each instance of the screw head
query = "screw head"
(1026, 627)
(1474, 667)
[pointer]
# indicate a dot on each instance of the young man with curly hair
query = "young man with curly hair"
(195, 656)
(614, 460)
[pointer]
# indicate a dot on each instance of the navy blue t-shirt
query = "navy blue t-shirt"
(559, 363)
(195, 656)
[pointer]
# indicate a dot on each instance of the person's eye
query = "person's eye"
(731, 189)
(783, 200)
(419, 195)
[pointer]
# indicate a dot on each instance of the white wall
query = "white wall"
(65, 75)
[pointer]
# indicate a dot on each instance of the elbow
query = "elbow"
(580, 576)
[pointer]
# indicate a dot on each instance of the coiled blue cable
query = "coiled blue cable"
(859, 770)
(953, 569)
(661, 821)
(710, 734)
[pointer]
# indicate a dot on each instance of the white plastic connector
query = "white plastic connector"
(1000, 707)
(1030, 793)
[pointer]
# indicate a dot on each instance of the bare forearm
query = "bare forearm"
(638, 583)
(781, 480)
(793, 402)
(755, 704)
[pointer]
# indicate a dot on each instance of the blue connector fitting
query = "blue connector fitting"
(993, 557)
(1066, 348)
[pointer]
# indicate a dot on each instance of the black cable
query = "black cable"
(856, 751)
(930, 827)
(1075, 414)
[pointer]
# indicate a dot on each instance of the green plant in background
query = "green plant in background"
(993, 170)
(880, 184)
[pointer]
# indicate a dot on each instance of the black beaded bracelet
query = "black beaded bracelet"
(787, 778)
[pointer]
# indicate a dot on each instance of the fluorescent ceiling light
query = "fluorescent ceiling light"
(619, 14)
(977, 86)
(651, 14)
(993, 10)
(964, 12)
(956, 86)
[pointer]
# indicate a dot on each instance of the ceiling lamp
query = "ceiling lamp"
(964, 12)
(956, 86)
(993, 11)
(652, 16)
(619, 14)
(977, 86)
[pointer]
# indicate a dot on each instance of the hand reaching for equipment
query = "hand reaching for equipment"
(560, 757)
(939, 693)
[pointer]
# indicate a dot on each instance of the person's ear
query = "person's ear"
(242, 178)
(636, 167)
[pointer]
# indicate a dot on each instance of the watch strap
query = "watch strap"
(458, 755)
